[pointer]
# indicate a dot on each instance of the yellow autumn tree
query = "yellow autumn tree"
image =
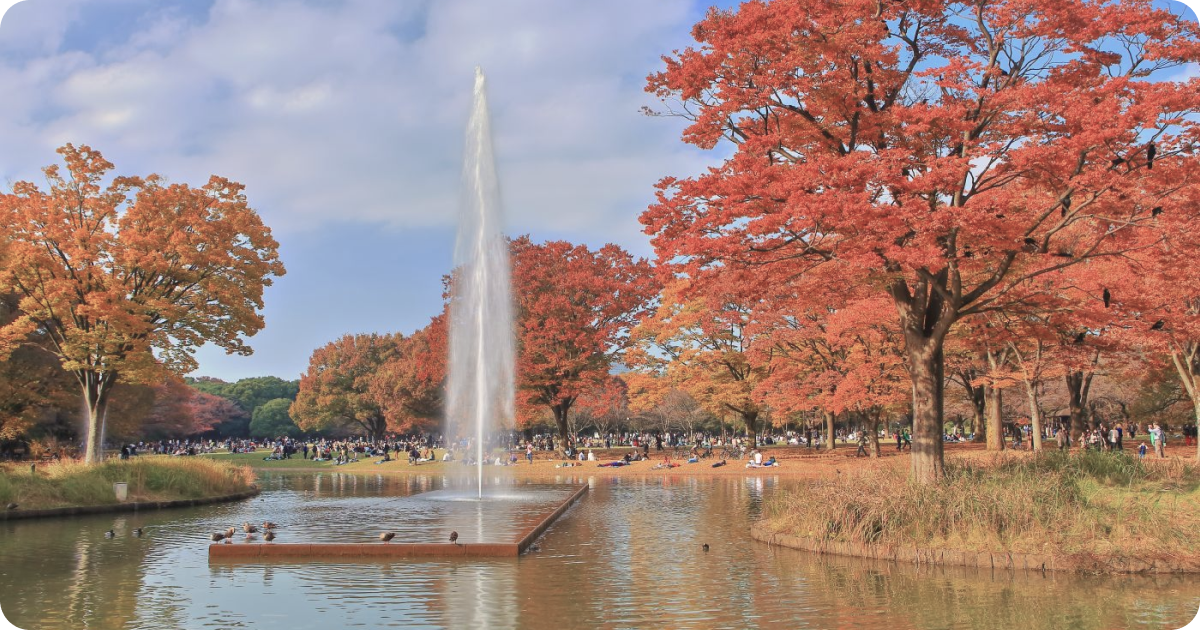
(126, 277)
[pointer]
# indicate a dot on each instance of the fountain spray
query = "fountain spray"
(481, 381)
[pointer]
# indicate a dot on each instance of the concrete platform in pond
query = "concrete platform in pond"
(263, 550)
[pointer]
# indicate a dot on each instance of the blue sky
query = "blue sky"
(345, 120)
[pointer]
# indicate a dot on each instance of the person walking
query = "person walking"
(529, 453)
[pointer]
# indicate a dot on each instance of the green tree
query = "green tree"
(271, 419)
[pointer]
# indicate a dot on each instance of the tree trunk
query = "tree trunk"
(96, 388)
(561, 411)
(1035, 416)
(829, 429)
(873, 436)
(1078, 384)
(995, 419)
(1185, 358)
(1196, 406)
(751, 421)
(927, 366)
(978, 397)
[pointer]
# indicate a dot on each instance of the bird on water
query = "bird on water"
(454, 538)
(250, 529)
(269, 525)
(387, 537)
(137, 532)
(217, 537)
(269, 536)
(706, 546)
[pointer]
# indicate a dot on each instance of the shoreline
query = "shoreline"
(980, 559)
(131, 506)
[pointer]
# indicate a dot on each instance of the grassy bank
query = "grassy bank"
(63, 484)
(1084, 505)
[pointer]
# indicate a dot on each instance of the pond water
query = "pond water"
(628, 554)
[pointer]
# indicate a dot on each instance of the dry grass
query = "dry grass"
(1083, 503)
(72, 483)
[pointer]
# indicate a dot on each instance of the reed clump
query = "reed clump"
(1082, 503)
(150, 478)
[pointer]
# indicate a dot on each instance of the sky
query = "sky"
(345, 121)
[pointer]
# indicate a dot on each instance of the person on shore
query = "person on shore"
(1153, 431)
(529, 453)
(899, 441)
(862, 444)
(907, 439)
(1160, 446)
(1142, 451)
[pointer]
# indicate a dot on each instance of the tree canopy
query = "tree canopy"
(128, 278)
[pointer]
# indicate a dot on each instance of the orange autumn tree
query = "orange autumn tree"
(575, 308)
(336, 390)
(945, 151)
(127, 279)
(411, 386)
(834, 352)
(700, 346)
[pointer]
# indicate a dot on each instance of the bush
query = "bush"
(1069, 502)
(150, 478)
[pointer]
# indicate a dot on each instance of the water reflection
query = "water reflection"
(629, 554)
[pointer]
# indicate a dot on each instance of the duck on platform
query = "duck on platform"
(269, 536)
(387, 537)
(454, 538)
(217, 537)
(250, 529)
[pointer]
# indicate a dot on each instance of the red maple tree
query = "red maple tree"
(946, 152)
(575, 308)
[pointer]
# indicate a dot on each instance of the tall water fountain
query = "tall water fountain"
(481, 382)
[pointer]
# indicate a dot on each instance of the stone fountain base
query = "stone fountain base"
(263, 550)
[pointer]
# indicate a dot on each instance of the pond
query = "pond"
(628, 554)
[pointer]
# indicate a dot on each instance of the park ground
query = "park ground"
(794, 462)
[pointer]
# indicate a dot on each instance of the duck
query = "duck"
(230, 532)
(386, 537)
(217, 537)
(137, 532)
(705, 547)
(11, 506)
(250, 529)
(269, 536)
(454, 538)
(109, 534)
(269, 525)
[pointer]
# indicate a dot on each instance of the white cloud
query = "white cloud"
(334, 112)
